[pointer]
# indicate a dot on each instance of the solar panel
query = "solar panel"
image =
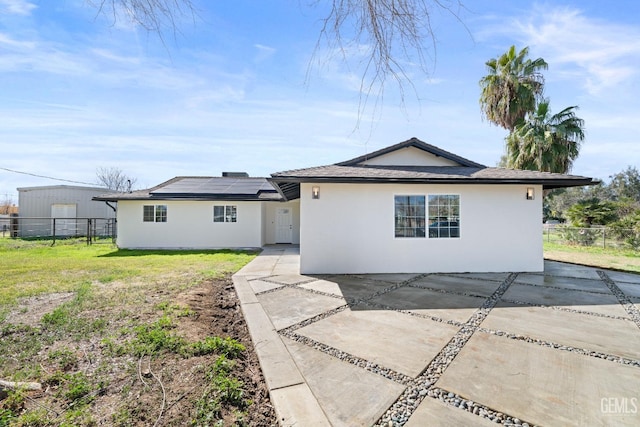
(211, 186)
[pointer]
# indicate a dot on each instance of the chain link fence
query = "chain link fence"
(604, 237)
(94, 229)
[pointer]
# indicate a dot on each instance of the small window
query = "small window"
(444, 216)
(161, 213)
(218, 214)
(409, 216)
(228, 213)
(231, 214)
(154, 213)
(148, 213)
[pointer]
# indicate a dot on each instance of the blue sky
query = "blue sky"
(233, 90)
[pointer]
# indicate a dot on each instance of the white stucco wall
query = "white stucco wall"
(350, 229)
(189, 225)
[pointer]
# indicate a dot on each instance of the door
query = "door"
(284, 225)
(64, 227)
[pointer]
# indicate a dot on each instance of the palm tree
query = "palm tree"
(512, 88)
(546, 142)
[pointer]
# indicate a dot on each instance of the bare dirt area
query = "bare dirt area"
(97, 375)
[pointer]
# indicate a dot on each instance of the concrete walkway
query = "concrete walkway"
(559, 348)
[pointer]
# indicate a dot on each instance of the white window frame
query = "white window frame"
(157, 215)
(451, 232)
(229, 214)
(416, 218)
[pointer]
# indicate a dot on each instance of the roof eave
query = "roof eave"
(234, 198)
(546, 183)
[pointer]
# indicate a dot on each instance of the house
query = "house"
(191, 212)
(71, 205)
(411, 208)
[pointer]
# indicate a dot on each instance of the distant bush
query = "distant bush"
(580, 236)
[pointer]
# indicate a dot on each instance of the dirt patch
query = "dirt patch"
(29, 311)
(164, 390)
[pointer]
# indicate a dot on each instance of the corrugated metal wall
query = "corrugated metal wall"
(37, 201)
(35, 210)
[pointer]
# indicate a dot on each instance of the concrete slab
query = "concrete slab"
(431, 303)
(262, 286)
(353, 287)
(571, 283)
(277, 366)
(610, 336)
(290, 279)
(344, 390)
(618, 276)
(390, 339)
(434, 413)
(575, 300)
(570, 270)
(390, 277)
(245, 292)
(496, 277)
(287, 268)
(297, 406)
(466, 285)
(262, 265)
(542, 385)
(630, 290)
(289, 306)
(325, 286)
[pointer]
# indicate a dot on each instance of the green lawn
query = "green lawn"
(34, 267)
(607, 258)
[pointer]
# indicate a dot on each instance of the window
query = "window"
(227, 213)
(444, 216)
(148, 213)
(409, 216)
(154, 213)
(161, 213)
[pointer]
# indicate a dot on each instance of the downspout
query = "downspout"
(115, 221)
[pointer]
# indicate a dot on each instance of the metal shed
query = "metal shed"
(71, 207)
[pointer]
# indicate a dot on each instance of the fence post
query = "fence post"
(53, 231)
(88, 231)
(14, 225)
(604, 238)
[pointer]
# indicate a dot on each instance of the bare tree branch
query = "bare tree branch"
(114, 179)
(392, 38)
(396, 35)
(152, 15)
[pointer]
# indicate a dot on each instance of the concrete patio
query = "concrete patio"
(559, 348)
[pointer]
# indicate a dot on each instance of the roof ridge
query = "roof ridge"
(412, 142)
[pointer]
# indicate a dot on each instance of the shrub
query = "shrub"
(580, 236)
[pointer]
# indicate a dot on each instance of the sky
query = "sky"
(238, 88)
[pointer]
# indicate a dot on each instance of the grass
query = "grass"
(35, 267)
(105, 280)
(607, 258)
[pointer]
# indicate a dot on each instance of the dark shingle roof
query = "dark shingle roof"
(468, 172)
(203, 188)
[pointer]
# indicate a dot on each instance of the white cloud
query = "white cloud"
(264, 52)
(16, 7)
(605, 54)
